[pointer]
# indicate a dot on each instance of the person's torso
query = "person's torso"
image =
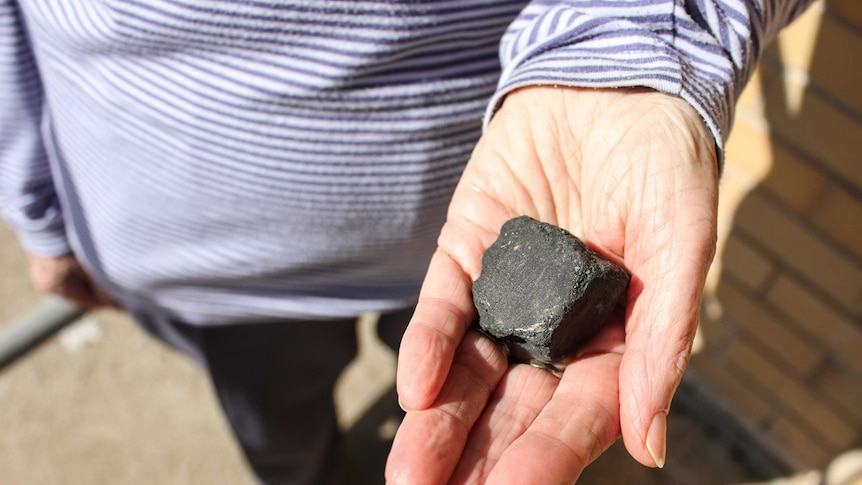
(265, 151)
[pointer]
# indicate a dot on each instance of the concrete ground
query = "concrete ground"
(101, 403)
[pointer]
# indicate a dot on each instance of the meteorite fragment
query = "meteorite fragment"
(543, 291)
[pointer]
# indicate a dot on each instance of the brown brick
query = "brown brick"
(798, 42)
(819, 128)
(749, 148)
(746, 264)
(849, 10)
(844, 388)
(800, 402)
(777, 168)
(739, 394)
(840, 215)
(796, 182)
(828, 51)
(750, 102)
(796, 441)
(835, 66)
(734, 189)
(736, 183)
(803, 250)
(714, 331)
(797, 353)
(839, 334)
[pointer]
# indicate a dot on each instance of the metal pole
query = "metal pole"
(35, 328)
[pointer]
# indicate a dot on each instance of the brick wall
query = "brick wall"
(782, 323)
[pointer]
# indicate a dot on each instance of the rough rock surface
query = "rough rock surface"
(543, 290)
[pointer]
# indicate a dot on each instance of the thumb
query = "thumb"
(663, 313)
(655, 358)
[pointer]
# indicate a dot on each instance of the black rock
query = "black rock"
(543, 290)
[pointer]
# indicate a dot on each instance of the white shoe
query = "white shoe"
(845, 469)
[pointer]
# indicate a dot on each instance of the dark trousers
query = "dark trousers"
(274, 382)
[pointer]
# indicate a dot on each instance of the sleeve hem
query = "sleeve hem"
(669, 75)
(47, 244)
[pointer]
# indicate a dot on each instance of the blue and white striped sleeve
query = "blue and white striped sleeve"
(27, 197)
(703, 51)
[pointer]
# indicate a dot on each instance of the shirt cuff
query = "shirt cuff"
(592, 52)
(44, 236)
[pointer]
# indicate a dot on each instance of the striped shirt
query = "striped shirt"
(227, 161)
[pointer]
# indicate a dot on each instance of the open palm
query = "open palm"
(631, 172)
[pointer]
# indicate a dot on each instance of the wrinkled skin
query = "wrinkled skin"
(631, 172)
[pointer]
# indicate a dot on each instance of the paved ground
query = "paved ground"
(102, 403)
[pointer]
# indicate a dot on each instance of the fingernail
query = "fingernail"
(401, 405)
(656, 442)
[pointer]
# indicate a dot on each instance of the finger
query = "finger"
(658, 347)
(80, 290)
(664, 309)
(429, 442)
(443, 314)
(518, 399)
(579, 423)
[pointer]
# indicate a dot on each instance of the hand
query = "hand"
(634, 174)
(63, 276)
